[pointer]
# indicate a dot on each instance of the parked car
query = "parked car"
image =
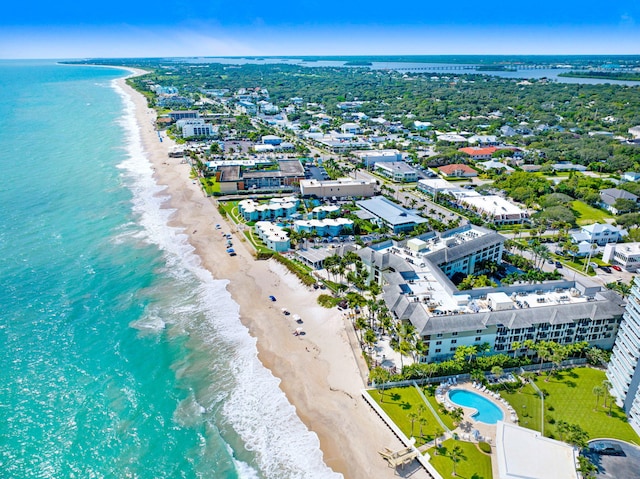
(606, 449)
(272, 298)
(558, 264)
(606, 269)
(616, 267)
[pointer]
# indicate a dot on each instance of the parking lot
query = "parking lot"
(626, 466)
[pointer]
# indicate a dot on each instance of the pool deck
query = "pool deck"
(466, 428)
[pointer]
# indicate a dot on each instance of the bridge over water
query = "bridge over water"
(478, 68)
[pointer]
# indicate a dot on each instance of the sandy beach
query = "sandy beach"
(319, 370)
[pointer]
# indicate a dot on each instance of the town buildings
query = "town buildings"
(370, 157)
(275, 208)
(281, 174)
(458, 170)
(598, 233)
(626, 255)
(610, 196)
(340, 188)
(196, 127)
(387, 214)
(273, 236)
(492, 208)
(396, 171)
(416, 277)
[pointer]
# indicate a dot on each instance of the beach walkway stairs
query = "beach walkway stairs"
(400, 457)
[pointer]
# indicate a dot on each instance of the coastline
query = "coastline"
(318, 371)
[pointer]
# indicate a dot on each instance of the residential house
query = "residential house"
(397, 171)
(458, 170)
(353, 128)
(495, 165)
(484, 140)
(609, 196)
(630, 176)
(600, 234)
(479, 153)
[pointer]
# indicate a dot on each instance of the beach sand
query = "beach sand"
(319, 370)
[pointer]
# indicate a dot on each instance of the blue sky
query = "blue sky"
(119, 28)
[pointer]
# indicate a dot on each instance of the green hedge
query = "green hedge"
(484, 447)
(296, 269)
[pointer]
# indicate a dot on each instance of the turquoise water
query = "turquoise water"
(121, 356)
(487, 412)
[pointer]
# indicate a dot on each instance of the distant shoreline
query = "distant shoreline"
(618, 76)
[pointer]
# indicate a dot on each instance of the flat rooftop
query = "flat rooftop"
(396, 166)
(430, 286)
(493, 204)
(389, 211)
(525, 454)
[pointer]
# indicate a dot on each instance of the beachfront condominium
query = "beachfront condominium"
(416, 279)
(624, 368)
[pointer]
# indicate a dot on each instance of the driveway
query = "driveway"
(617, 467)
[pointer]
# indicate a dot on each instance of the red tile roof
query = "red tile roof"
(457, 167)
(475, 151)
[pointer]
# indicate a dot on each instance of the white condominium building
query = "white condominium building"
(624, 368)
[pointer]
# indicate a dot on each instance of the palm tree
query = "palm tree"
(423, 422)
(484, 348)
(413, 416)
(456, 415)
(372, 308)
(370, 339)
(597, 391)
(562, 427)
(436, 435)
(611, 399)
(455, 454)
(515, 346)
(421, 419)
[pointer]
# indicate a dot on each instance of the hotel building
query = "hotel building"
(624, 368)
(415, 276)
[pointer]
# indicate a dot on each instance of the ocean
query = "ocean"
(121, 356)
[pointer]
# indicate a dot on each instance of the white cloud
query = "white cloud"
(627, 20)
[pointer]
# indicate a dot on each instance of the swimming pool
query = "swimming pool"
(486, 411)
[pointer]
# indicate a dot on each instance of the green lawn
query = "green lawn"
(210, 185)
(474, 464)
(429, 393)
(570, 398)
(398, 403)
(257, 243)
(229, 207)
(588, 214)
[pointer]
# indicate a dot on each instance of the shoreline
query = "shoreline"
(319, 373)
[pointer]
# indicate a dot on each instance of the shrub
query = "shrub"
(484, 447)
(296, 269)
(327, 301)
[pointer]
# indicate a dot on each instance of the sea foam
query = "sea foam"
(245, 395)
